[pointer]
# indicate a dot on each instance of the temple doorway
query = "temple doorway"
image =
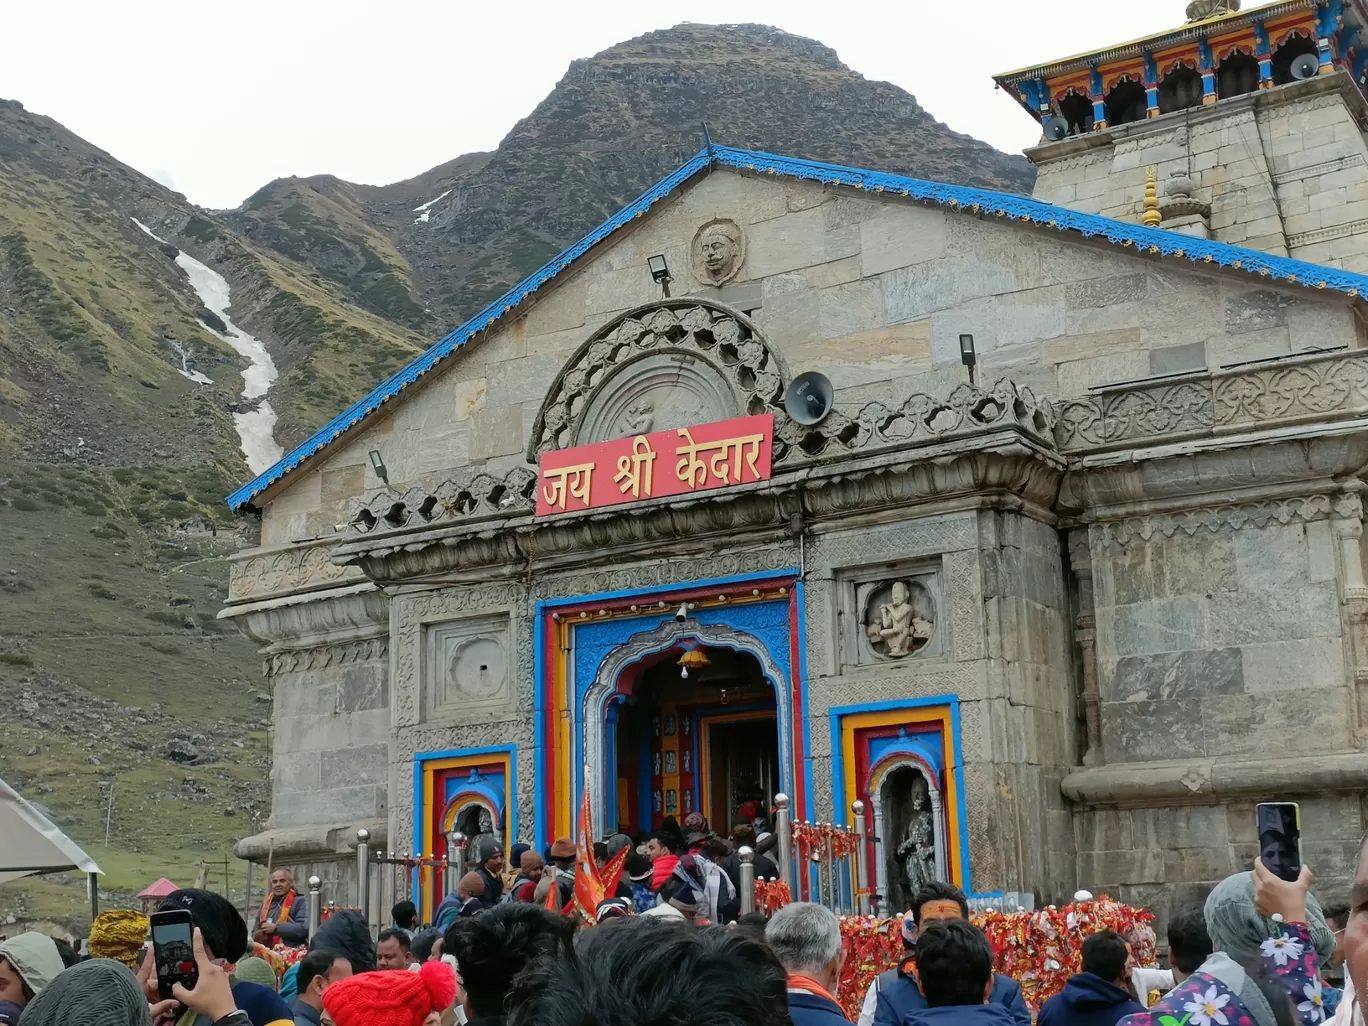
(696, 731)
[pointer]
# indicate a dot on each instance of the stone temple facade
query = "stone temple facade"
(1059, 620)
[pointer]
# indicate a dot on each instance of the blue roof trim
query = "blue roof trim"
(1019, 208)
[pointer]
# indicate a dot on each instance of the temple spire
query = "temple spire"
(1151, 217)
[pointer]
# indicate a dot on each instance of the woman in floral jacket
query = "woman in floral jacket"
(1269, 937)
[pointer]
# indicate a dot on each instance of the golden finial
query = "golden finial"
(1151, 217)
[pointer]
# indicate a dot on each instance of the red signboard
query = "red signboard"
(654, 466)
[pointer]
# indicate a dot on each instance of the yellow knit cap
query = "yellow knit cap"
(119, 933)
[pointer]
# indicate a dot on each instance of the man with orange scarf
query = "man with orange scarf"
(807, 939)
(284, 915)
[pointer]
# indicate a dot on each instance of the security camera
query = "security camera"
(683, 613)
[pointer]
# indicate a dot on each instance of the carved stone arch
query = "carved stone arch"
(593, 712)
(685, 347)
(883, 842)
(463, 803)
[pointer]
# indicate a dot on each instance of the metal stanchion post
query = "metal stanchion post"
(456, 846)
(747, 857)
(829, 856)
(314, 910)
(863, 889)
(363, 891)
(783, 830)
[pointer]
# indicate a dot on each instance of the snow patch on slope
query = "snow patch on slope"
(255, 427)
(423, 212)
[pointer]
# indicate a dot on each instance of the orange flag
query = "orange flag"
(589, 888)
(553, 895)
(612, 872)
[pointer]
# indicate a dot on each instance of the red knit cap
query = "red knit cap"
(391, 997)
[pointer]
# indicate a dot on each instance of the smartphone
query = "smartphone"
(1279, 826)
(173, 950)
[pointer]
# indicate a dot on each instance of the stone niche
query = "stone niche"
(889, 613)
(468, 672)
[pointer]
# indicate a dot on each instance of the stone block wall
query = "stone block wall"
(331, 743)
(1204, 639)
(1285, 170)
(1008, 662)
(1164, 858)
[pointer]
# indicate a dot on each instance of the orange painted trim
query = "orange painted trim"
(430, 770)
(1113, 74)
(938, 714)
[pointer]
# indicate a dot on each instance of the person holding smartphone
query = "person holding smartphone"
(224, 939)
(102, 990)
(1268, 939)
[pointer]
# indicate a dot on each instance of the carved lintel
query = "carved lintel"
(321, 656)
(1228, 517)
(1002, 473)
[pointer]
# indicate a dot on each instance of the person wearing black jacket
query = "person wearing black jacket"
(1098, 996)
(743, 836)
(488, 855)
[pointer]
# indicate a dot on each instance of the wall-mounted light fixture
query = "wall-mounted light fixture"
(967, 355)
(378, 465)
(660, 272)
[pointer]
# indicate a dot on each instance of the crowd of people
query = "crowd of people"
(682, 868)
(1258, 952)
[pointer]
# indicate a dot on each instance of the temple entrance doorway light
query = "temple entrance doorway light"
(695, 730)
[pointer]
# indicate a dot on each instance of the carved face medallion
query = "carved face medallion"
(719, 247)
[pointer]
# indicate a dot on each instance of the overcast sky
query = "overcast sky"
(216, 99)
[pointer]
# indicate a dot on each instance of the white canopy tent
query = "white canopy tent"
(30, 844)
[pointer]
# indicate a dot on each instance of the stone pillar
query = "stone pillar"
(1151, 86)
(1099, 106)
(327, 661)
(1085, 637)
(1208, 70)
(1348, 528)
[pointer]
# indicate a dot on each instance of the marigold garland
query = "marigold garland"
(771, 896)
(280, 957)
(1039, 949)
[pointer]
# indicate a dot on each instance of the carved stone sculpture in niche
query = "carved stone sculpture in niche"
(899, 618)
(909, 821)
(719, 248)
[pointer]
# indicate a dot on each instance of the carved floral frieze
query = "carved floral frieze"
(1304, 391)
(1287, 392)
(1233, 516)
(295, 569)
(323, 656)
